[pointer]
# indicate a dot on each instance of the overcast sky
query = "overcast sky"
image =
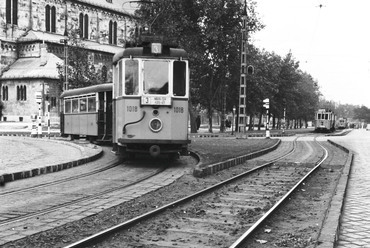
(332, 42)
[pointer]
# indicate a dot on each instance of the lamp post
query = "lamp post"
(266, 105)
(232, 124)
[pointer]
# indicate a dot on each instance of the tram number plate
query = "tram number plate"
(155, 100)
(179, 110)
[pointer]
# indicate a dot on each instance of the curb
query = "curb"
(330, 231)
(29, 134)
(9, 177)
(213, 168)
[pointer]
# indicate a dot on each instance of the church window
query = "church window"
(21, 93)
(5, 96)
(112, 32)
(50, 19)
(84, 25)
(11, 10)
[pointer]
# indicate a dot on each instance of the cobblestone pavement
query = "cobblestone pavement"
(355, 221)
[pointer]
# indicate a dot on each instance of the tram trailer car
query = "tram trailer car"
(150, 101)
(325, 121)
(87, 112)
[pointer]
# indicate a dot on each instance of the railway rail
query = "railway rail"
(216, 215)
(13, 216)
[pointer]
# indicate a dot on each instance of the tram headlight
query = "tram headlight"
(155, 125)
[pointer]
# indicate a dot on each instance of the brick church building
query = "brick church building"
(31, 45)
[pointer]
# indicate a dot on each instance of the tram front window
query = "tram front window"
(156, 77)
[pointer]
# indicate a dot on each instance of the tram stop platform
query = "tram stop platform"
(22, 156)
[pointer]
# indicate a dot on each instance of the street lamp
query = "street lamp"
(232, 124)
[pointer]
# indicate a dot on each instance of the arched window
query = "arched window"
(5, 93)
(81, 26)
(47, 18)
(18, 93)
(84, 25)
(50, 19)
(115, 33)
(21, 93)
(11, 10)
(24, 93)
(112, 32)
(53, 19)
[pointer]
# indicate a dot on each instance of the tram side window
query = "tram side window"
(179, 78)
(83, 104)
(319, 116)
(91, 104)
(75, 106)
(67, 107)
(131, 77)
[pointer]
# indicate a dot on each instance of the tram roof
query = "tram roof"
(144, 52)
(87, 90)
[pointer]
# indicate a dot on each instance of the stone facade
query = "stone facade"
(31, 32)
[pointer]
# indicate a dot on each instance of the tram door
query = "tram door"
(105, 115)
(109, 113)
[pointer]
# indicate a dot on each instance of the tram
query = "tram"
(325, 121)
(150, 100)
(342, 123)
(87, 112)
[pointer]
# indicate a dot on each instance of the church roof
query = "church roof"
(33, 68)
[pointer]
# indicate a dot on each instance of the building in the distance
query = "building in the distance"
(31, 45)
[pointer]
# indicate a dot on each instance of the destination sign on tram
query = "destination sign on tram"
(156, 100)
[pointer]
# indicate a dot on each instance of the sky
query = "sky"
(331, 42)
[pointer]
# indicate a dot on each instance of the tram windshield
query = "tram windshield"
(156, 77)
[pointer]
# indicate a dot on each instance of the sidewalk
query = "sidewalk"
(26, 128)
(23, 157)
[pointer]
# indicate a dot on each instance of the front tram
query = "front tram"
(150, 100)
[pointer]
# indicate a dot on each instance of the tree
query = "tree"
(80, 68)
(210, 32)
(362, 113)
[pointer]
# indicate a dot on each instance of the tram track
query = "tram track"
(110, 165)
(186, 214)
(24, 215)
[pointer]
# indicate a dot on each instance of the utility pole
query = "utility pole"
(65, 42)
(242, 122)
(266, 105)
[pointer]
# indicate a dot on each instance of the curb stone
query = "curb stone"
(330, 229)
(216, 167)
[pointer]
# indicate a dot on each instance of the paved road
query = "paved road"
(355, 221)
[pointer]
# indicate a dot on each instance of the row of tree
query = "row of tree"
(211, 33)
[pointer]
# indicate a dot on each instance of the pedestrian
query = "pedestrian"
(197, 120)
